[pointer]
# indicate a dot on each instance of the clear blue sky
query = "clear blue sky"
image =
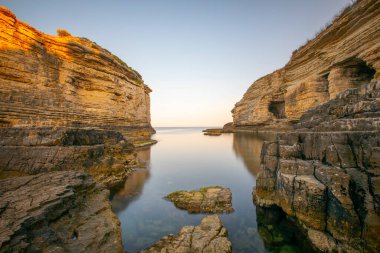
(198, 56)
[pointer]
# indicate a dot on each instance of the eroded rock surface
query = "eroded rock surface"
(105, 154)
(344, 55)
(67, 103)
(326, 173)
(210, 236)
(57, 212)
(214, 199)
(65, 80)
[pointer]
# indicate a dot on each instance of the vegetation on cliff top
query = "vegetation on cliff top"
(342, 12)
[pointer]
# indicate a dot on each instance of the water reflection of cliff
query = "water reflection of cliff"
(134, 185)
(248, 147)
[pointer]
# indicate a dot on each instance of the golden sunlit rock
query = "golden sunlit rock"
(65, 80)
(344, 55)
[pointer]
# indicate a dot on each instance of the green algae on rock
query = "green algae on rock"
(213, 199)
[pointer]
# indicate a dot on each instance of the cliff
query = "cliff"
(344, 55)
(65, 81)
(326, 174)
(323, 171)
(66, 103)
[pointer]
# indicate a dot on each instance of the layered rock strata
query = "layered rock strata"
(67, 103)
(66, 81)
(346, 54)
(57, 212)
(105, 154)
(327, 173)
(213, 199)
(210, 236)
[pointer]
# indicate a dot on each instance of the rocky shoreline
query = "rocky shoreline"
(72, 116)
(326, 172)
(322, 169)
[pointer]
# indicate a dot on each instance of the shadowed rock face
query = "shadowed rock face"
(344, 55)
(105, 154)
(326, 174)
(214, 199)
(210, 236)
(57, 212)
(280, 232)
(66, 103)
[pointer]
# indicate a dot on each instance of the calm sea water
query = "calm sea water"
(185, 159)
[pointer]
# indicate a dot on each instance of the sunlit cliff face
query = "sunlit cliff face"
(65, 80)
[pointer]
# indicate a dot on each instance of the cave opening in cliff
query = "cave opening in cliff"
(277, 108)
(357, 72)
(361, 72)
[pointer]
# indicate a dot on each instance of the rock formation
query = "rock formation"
(66, 81)
(279, 232)
(213, 132)
(213, 199)
(210, 236)
(327, 172)
(323, 170)
(57, 212)
(344, 55)
(66, 103)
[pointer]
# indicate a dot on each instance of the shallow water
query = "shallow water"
(185, 159)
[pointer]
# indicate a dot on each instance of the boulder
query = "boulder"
(213, 199)
(210, 236)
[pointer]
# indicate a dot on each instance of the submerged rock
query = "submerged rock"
(57, 212)
(213, 199)
(210, 236)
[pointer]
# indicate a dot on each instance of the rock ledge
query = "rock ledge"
(63, 211)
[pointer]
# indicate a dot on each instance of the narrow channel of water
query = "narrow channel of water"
(185, 159)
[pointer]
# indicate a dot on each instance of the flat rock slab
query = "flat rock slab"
(213, 199)
(64, 211)
(212, 134)
(210, 236)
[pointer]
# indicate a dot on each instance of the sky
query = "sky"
(198, 56)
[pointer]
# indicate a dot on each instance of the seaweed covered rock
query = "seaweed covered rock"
(213, 199)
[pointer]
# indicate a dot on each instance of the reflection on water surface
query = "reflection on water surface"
(185, 159)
